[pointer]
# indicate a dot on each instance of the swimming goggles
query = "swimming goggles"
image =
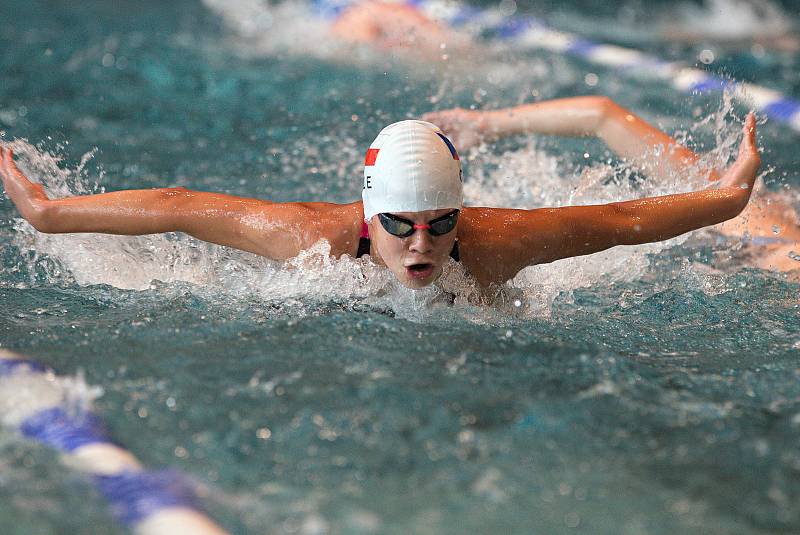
(403, 228)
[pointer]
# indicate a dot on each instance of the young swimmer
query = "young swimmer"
(769, 226)
(411, 218)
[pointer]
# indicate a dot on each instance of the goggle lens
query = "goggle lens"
(443, 225)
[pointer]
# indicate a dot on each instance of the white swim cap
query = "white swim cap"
(410, 167)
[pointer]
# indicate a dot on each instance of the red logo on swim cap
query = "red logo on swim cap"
(372, 155)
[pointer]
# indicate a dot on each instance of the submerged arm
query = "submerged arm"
(270, 229)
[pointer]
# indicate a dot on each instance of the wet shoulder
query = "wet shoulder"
(339, 224)
(485, 239)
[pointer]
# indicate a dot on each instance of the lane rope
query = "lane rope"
(52, 411)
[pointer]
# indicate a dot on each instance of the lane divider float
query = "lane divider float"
(54, 411)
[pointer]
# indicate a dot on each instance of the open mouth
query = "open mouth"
(419, 271)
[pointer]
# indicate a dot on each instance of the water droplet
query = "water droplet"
(706, 56)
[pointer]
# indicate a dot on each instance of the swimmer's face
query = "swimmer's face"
(418, 260)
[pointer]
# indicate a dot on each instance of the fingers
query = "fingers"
(10, 165)
(749, 129)
(7, 166)
(744, 170)
(748, 150)
(5, 156)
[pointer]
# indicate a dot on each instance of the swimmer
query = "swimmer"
(411, 218)
(398, 27)
(768, 223)
(388, 25)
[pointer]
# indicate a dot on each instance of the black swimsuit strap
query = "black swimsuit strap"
(363, 247)
(364, 244)
(454, 252)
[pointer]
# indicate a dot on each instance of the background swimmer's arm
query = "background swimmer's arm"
(546, 235)
(274, 230)
(625, 133)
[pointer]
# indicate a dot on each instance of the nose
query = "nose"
(420, 242)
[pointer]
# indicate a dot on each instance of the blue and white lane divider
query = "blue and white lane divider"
(529, 32)
(54, 411)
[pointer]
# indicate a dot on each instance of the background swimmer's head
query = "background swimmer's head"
(412, 170)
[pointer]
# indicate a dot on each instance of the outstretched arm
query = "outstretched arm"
(625, 133)
(274, 230)
(539, 236)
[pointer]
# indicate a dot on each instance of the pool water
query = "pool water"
(651, 389)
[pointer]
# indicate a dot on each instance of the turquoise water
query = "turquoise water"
(642, 390)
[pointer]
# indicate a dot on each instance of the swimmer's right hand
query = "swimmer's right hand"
(29, 198)
(744, 171)
(465, 128)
